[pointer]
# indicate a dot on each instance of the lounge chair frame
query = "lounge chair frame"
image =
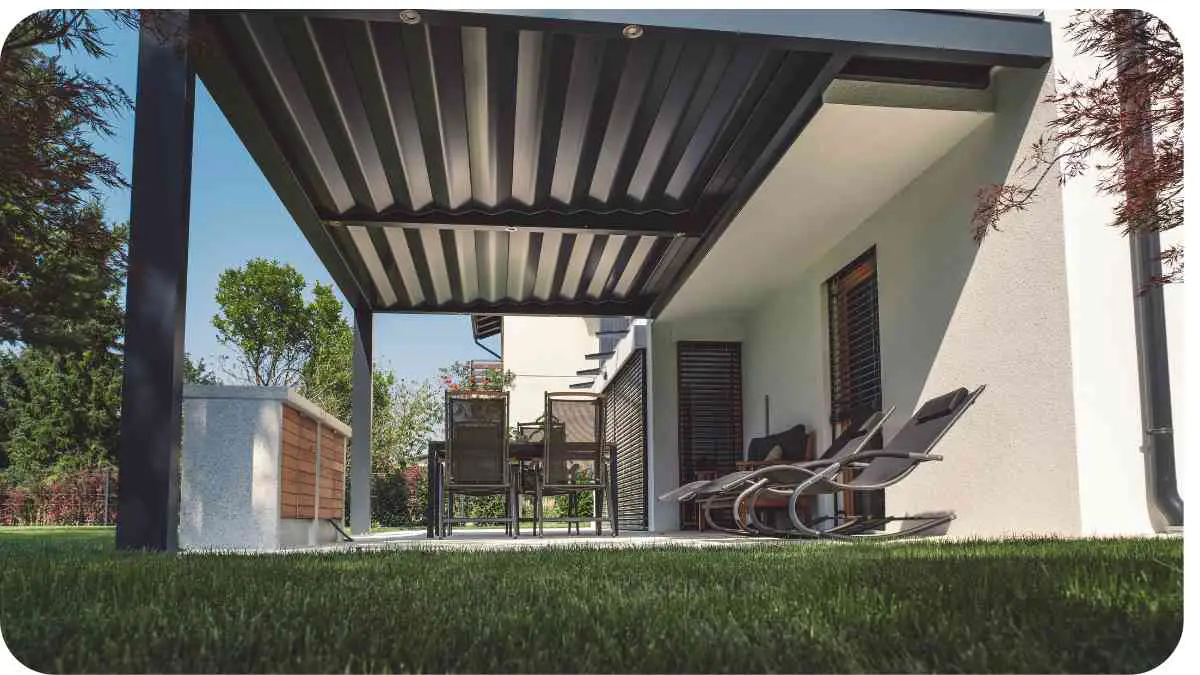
(823, 478)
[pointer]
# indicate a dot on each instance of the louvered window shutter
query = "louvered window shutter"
(855, 371)
(710, 413)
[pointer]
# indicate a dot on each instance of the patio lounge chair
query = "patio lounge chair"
(476, 456)
(910, 447)
(856, 437)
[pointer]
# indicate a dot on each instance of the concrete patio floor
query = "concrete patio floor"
(496, 539)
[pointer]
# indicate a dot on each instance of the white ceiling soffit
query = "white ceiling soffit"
(847, 163)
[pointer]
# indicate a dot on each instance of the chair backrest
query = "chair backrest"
(922, 431)
(792, 445)
(477, 438)
(574, 435)
(851, 440)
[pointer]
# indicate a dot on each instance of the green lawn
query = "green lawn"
(68, 602)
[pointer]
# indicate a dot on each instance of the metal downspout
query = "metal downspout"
(487, 349)
(1149, 315)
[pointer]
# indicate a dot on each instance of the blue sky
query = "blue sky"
(236, 216)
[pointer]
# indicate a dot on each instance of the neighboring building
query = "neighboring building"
(868, 216)
(544, 354)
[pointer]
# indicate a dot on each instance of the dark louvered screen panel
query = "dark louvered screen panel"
(710, 411)
(854, 365)
(625, 424)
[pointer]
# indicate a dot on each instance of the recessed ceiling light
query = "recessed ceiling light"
(410, 16)
(632, 31)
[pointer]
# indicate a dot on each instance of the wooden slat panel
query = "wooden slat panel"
(333, 474)
(298, 465)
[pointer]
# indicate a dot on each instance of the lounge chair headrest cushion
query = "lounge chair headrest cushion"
(942, 405)
(792, 444)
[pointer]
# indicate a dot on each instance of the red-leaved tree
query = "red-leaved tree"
(1125, 120)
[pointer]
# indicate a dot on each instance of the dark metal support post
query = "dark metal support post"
(361, 401)
(1149, 313)
(152, 398)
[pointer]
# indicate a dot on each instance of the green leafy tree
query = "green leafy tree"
(264, 320)
(279, 339)
(197, 372)
(327, 374)
(57, 263)
(413, 415)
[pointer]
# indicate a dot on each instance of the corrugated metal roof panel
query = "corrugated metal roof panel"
(500, 267)
(507, 164)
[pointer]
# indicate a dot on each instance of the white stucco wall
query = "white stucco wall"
(544, 353)
(1113, 495)
(229, 491)
(664, 403)
(952, 313)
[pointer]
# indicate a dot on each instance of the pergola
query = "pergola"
(511, 162)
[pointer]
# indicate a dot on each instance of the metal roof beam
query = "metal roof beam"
(963, 37)
(646, 224)
(542, 308)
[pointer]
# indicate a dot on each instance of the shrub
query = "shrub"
(390, 499)
(74, 498)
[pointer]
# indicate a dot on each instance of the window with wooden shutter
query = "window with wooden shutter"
(710, 412)
(855, 370)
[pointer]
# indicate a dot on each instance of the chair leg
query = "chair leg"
(539, 527)
(438, 519)
(514, 511)
(597, 500)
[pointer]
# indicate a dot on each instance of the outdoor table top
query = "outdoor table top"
(534, 449)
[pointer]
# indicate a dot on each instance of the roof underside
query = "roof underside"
(498, 164)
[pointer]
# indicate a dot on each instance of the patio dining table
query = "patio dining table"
(518, 451)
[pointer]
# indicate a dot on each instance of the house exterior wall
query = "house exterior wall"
(663, 448)
(544, 353)
(952, 313)
(1113, 497)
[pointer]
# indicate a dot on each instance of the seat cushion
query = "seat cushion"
(942, 405)
(792, 444)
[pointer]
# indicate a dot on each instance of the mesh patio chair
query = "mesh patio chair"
(908, 449)
(573, 458)
(476, 456)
